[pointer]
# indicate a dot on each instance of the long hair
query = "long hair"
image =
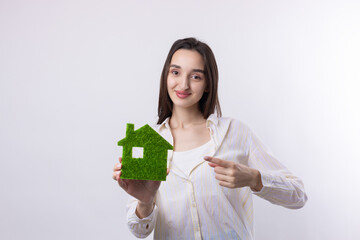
(209, 101)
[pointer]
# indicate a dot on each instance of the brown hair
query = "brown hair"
(209, 101)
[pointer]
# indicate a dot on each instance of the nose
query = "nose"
(184, 83)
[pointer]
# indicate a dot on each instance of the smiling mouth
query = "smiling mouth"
(182, 94)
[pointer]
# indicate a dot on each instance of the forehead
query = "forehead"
(188, 59)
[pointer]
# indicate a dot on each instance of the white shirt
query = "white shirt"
(187, 160)
(195, 206)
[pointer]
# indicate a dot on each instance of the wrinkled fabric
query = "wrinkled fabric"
(195, 206)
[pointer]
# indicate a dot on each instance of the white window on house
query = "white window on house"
(137, 152)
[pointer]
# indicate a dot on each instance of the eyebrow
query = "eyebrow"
(194, 70)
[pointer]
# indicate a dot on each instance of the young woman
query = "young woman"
(216, 166)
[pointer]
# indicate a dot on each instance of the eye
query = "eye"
(174, 72)
(196, 77)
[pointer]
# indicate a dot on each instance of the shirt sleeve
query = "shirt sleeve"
(141, 228)
(280, 186)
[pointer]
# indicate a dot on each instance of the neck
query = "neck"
(184, 118)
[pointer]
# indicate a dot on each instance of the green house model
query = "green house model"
(152, 165)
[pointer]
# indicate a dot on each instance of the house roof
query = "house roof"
(143, 137)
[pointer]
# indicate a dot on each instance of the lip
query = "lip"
(182, 94)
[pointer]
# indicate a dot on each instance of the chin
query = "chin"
(183, 104)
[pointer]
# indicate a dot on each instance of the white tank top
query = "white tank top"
(187, 160)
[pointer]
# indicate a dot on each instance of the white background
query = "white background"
(74, 72)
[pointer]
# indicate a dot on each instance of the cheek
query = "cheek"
(170, 83)
(200, 87)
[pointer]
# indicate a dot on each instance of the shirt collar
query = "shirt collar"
(212, 119)
(165, 123)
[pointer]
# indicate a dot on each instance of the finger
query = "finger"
(221, 170)
(167, 171)
(218, 161)
(115, 175)
(120, 159)
(224, 178)
(212, 164)
(227, 184)
(117, 166)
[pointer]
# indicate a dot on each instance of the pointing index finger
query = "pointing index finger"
(217, 161)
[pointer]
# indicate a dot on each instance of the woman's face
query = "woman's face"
(186, 81)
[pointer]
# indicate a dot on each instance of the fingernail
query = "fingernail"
(207, 158)
(118, 165)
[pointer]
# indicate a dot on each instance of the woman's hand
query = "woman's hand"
(235, 175)
(143, 190)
